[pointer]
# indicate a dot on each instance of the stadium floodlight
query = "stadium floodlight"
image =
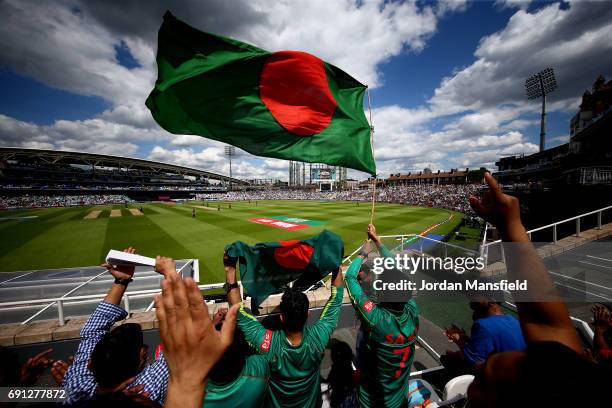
(539, 85)
(229, 152)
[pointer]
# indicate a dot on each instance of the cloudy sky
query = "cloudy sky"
(447, 77)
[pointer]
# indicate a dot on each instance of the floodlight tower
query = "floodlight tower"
(229, 152)
(539, 85)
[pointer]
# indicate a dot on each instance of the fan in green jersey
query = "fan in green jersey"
(237, 380)
(390, 329)
(295, 352)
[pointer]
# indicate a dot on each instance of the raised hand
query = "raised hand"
(372, 233)
(219, 315)
(229, 265)
(228, 261)
(601, 316)
(59, 368)
(121, 271)
(455, 333)
(165, 266)
(498, 208)
(191, 344)
(34, 367)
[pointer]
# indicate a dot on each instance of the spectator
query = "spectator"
(343, 378)
(237, 380)
(492, 332)
(295, 352)
(43, 201)
(453, 197)
(108, 361)
(12, 373)
(602, 345)
(390, 331)
(553, 370)
(191, 343)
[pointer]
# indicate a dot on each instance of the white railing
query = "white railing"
(66, 299)
(484, 250)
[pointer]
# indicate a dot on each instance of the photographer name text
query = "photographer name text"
(503, 285)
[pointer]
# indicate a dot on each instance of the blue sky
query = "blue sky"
(446, 76)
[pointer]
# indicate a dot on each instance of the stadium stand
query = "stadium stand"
(452, 197)
(48, 173)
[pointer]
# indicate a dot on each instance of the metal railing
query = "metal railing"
(485, 247)
(66, 299)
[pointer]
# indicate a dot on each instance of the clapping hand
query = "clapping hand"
(455, 334)
(34, 367)
(191, 344)
(601, 316)
(59, 368)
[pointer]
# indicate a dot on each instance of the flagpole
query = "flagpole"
(372, 145)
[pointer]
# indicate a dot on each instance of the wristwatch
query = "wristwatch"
(123, 282)
(230, 286)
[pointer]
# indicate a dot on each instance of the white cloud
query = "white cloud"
(487, 99)
(477, 112)
(510, 4)
(576, 42)
(355, 36)
(213, 159)
(93, 135)
(70, 45)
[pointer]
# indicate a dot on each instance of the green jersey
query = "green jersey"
(249, 389)
(295, 380)
(390, 338)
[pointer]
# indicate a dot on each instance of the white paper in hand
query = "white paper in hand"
(115, 257)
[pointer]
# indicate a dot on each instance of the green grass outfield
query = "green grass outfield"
(60, 237)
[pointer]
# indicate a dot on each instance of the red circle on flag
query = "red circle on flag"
(293, 86)
(293, 254)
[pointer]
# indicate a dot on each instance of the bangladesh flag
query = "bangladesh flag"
(267, 266)
(288, 104)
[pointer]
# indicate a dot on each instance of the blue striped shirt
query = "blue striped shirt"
(79, 381)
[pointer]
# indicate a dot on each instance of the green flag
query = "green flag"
(267, 266)
(288, 104)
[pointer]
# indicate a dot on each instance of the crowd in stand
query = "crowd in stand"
(113, 186)
(453, 197)
(537, 360)
(44, 201)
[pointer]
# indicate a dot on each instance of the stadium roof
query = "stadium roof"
(103, 160)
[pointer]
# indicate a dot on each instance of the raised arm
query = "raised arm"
(367, 310)
(192, 346)
(540, 320)
(373, 236)
(255, 334)
(329, 316)
(79, 381)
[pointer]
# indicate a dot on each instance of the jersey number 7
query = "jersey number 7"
(405, 352)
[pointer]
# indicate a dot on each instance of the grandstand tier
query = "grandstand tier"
(115, 179)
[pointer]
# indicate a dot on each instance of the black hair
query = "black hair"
(340, 376)
(116, 357)
(294, 309)
(10, 368)
(231, 363)
(554, 375)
